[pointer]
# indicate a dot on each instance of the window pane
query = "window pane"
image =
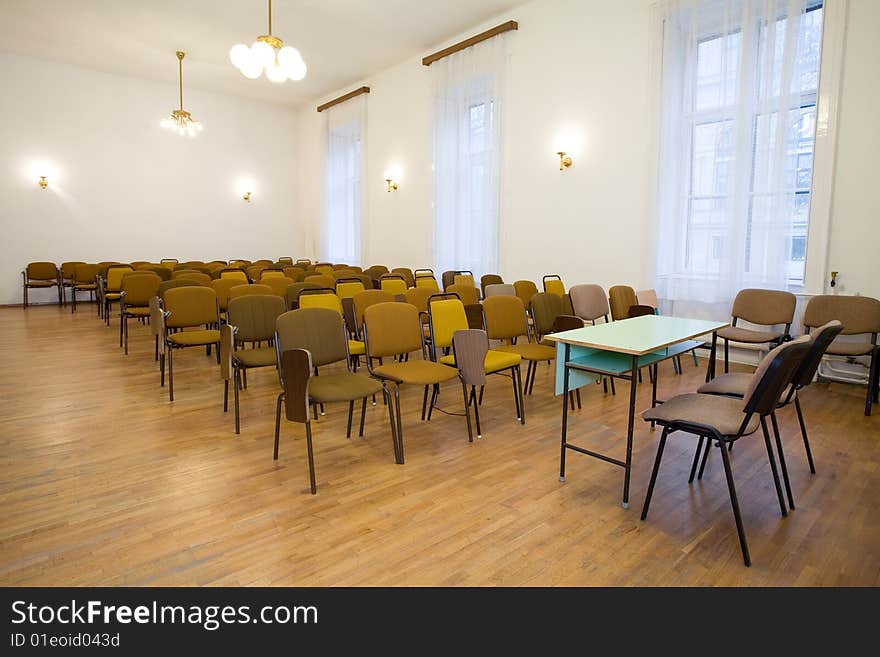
(717, 61)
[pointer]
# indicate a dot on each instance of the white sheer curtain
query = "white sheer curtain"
(341, 234)
(737, 130)
(468, 107)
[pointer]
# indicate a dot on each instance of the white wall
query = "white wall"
(126, 189)
(854, 240)
(580, 66)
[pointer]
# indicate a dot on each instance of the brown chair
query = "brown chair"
(112, 288)
(67, 279)
(321, 280)
(295, 274)
(251, 319)
(506, 320)
(364, 300)
(394, 330)
(724, 420)
(621, 297)
(589, 302)
(272, 272)
(134, 301)
(190, 307)
(164, 286)
(424, 278)
(41, 275)
(767, 308)
(254, 271)
(860, 316)
(407, 274)
(222, 286)
(162, 272)
(525, 290)
(489, 279)
(467, 293)
(278, 285)
(245, 290)
(317, 336)
(85, 279)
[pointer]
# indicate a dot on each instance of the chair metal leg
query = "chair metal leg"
(121, 327)
(350, 414)
(772, 460)
(363, 415)
(782, 461)
(515, 393)
(522, 401)
(705, 457)
(236, 373)
(277, 423)
(226, 396)
(726, 354)
(696, 459)
(467, 411)
(480, 402)
(434, 393)
(311, 457)
(399, 423)
(424, 403)
(395, 441)
(800, 416)
(654, 472)
(872, 381)
(534, 373)
(170, 374)
(735, 504)
(156, 353)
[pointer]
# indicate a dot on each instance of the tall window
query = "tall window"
(341, 237)
(740, 83)
(468, 89)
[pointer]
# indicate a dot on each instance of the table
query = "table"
(619, 349)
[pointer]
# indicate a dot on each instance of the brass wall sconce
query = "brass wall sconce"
(564, 161)
(392, 186)
(43, 182)
(247, 197)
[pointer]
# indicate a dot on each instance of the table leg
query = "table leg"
(564, 412)
(629, 430)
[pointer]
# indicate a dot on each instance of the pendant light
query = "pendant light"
(180, 120)
(268, 53)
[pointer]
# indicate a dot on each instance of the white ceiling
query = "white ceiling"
(342, 41)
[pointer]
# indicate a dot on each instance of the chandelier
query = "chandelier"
(180, 120)
(268, 53)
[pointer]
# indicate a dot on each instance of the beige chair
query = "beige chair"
(766, 308)
(499, 289)
(860, 316)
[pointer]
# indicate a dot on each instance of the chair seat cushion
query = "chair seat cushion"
(85, 286)
(112, 296)
(193, 338)
(417, 372)
(739, 334)
(735, 384)
(344, 386)
(356, 348)
(260, 357)
(841, 348)
(138, 311)
(495, 360)
(529, 350)
(42, 283)
(725, 414)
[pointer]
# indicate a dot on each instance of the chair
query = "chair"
(222, 286)
(234, 273)
(41, 275)
(244, 290)
(499, 289)
(364, 300)
(254, 271)
(621, 297)
(418, 297)
(248, 319)
(464, 278)
(184, 273)
(394, 329)
(393, 283)
(346, 288)
(112, 288)
(860, 316)
(489, 279)
(271, 273)
(546, 307)
(305, 340)
(285, 260)
(448, 323)
(295, 274)
(327, 299)
(407, 274)
(169, 261)
(725, 420)
(278, 285)
(164, 286)
(426, 281)
(766, 308)
(85, 279)
(134, 300)
(291, 295)
(162, 272)
(66, 271)
(553, 284)
(189, 307)
(506, 320)
(589, 302)
(467, 293)
(324, 268)
(321, 280)
(525, 290)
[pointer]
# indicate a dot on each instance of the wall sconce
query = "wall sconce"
(43, 182)
(564, 160)
(392, 185)
(247, 197)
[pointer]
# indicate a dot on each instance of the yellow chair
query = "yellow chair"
(272, 273)
(346, 288)
(553, 284)
(41, 275)
(427, 281)
(392, 283)
(243, 290)
(234, 273)
(325, 298)
(112, 288)
(278, 285)
(190, 307)
(138, 288)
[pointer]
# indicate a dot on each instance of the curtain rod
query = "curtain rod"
(467, 43)
(343, 98)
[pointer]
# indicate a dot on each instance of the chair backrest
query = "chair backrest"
(393, 283)
(278, 285)
(168, 261)
(567, 323)
(239, 263)
(164, 286)
(467, 293)
(295, 371)
(191, 306)
(475, 318)
(589, 301)
(114, 276)
(499, 289)
(427, 281)
(42, 271)
(489, 279)
(319, 330)
(391, 329)
(418, 297)
(244, 290)
(324, 268)
(320, 298)
(464, 278)
(407, 274)
(546, 307)
(263, 262)
(222, 286)
(446, 315)
(553, 284)
(200, 278)
(295, 274)
(321, 280)
(857, 314)
(639, 310)
(773, 375)
(505, 318)
(447, 278)
(234, 273)
(272, 273)
(621, 297)
(184, 273)
(525, 290)
(765, 307)
(67, 269)
(254, 271)
(367, 298)
(140, 287)
(293, 291)
(470, 347)
(346, 288)
(84, 274)
(254, 316)
(286, 260)
(823, 336)
(648, 298)
(162, 272)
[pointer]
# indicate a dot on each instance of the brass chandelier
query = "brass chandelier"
(180, 120)
(268, 53)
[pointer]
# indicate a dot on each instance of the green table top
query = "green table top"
(639, 335)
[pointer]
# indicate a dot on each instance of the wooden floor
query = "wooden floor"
(104, 482)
